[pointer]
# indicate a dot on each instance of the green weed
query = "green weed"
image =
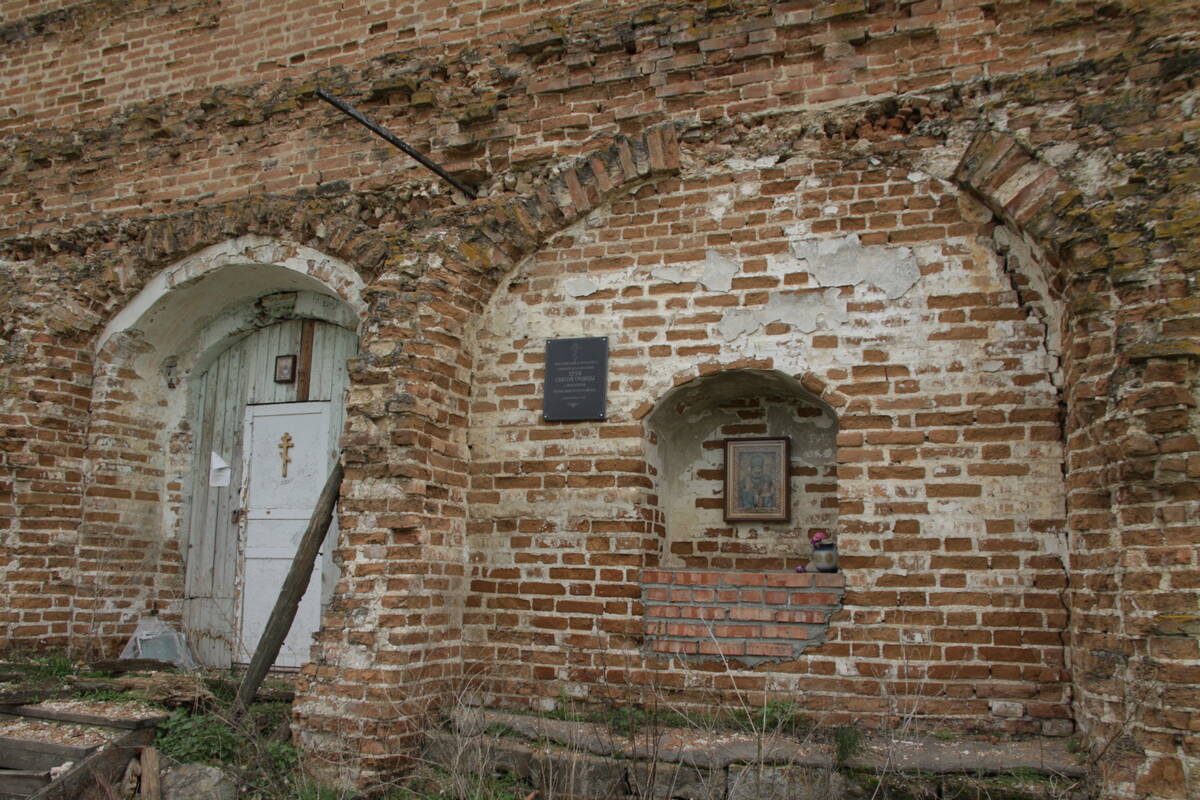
(199, 737)
(847, 741)
(116, 696)
(46, 666)
(776, 716)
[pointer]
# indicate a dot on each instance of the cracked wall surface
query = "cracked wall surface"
(966, 231)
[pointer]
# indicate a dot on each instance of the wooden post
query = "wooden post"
(294, 585)
(151, 785)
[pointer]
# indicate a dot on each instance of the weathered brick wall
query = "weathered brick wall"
(951, 505)
(138, 133)
(742, 617)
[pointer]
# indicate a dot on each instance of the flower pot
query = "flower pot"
(824, 558)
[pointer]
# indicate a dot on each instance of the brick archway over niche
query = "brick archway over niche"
(1112, 278)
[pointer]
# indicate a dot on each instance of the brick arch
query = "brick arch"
(496, 234)
(1129, 371)
(1024, 191)
(818, 387)
(729, 592)
(843, 412)
(142, 431)
(144, 248)
(410, 433)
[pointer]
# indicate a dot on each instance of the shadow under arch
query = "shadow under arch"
(141, 455)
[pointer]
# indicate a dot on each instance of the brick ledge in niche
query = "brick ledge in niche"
(741, 615)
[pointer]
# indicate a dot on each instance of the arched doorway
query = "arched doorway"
(212, 354)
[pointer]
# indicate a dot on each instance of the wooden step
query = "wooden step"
(58, 715)
(26, 754)
(17, 784)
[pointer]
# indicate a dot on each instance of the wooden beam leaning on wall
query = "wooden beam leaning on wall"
(294, 585)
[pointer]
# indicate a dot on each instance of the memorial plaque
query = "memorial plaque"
(576, 379)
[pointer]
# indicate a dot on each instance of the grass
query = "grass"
(438, 784)
(847, 742)
(777, 716)
(205, 738)
(117, 696)
(44, 666)
(266, 764)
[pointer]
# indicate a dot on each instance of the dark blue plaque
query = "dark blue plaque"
(576, 379)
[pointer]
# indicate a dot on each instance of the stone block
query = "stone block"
(752, 782)
(676, 780)
(575, 776)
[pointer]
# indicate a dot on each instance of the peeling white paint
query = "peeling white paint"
(718, 272)
(805, 313)
(668, 275)
(580, 287)
(720, 205)
(738, 323)
(845, 262)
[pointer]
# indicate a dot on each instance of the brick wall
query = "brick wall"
(950, 509)
(746, 617)
(977, 317)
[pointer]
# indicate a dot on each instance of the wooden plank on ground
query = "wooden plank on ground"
(103, 767)
(119, 666)
(26, 754)
(83, 719)
(22, 783)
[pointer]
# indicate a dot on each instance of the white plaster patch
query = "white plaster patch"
(580, 287)
(738, 323)
(807, 312)
(718, 272)
(804, 312)
(668, 275)
(845, 262)
(720, 205)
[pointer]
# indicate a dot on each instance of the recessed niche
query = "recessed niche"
(689, 427)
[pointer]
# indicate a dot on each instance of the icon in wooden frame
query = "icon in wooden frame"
(285, 369)
(757, 486)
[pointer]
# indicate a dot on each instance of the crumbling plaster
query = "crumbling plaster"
(859, 293)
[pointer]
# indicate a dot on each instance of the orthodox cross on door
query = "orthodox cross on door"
(285, 444)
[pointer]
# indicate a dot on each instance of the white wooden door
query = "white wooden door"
(287, 459)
